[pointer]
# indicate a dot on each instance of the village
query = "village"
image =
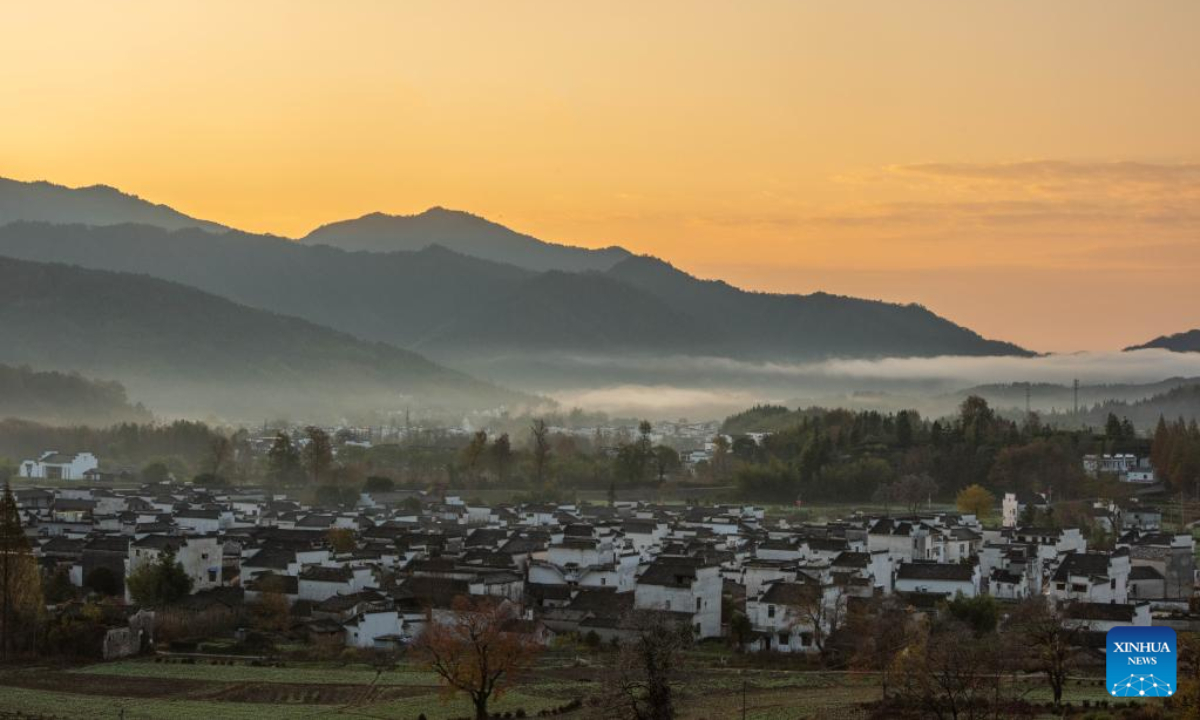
(374, 576)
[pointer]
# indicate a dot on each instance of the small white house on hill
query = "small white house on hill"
(54, 465)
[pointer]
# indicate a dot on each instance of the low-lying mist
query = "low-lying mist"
(705, 388)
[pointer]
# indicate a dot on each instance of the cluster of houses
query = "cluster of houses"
(374, 576)
(1126, 467)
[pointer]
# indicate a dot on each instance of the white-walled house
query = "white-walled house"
(54, 465)
(200, 521)
(369, 627)
(200, 557)
(319, 583)
(1102, 617)
(942, 578)
(786, 618)
(1092, 577)
(1006, 585)
(1051, 542)
(685, 585)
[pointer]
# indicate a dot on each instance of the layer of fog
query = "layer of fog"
(710, 388)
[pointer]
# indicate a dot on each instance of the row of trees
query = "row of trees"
(964, 661)
(1175, 454)
(901, 458)
(967, 660)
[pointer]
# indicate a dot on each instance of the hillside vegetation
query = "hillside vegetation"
(58, 397)
(183, 349)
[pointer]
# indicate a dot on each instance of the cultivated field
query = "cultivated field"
(147, 690)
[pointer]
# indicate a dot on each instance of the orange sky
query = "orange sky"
(1028, 169)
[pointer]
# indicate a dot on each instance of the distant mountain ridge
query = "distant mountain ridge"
(42, 201)
(178, 347)
(463, 233)
(454, 306)
(1180, 342)
(478, 296)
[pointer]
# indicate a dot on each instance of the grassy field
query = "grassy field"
(145, 690)
(349, 675)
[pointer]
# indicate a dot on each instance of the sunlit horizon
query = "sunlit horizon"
(1028, 171)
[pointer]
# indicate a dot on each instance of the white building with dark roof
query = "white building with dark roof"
(55, 465)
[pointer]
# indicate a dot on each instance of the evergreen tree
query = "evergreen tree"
(20, 583)
(160, 582)
(502, 456)
(904, 430)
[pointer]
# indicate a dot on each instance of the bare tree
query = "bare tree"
(644, 677)
(882, 631)
(1053, 643)
(541, 451)
(822, 608)
(948, 673)
(473, 452)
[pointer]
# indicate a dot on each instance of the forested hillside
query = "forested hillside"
(57, 397)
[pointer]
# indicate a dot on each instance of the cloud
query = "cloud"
(1062, 171)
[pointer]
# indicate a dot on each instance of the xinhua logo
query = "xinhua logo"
(1140, 661)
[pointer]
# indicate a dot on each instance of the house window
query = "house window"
(806, 639)
(603, 581)
(212, 575)
(699, 604)
(697, 628)
(770, 611)
(668, 603)
(783, 638)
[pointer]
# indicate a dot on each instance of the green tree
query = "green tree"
(283, 461)
(904, 429)
(318, 453)
(501, 456)
(160, 582)
(644, 431)
(379, 484)
(156, 472)
(630, 463)
(666, 462)
(977, 419)
(980, 613)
